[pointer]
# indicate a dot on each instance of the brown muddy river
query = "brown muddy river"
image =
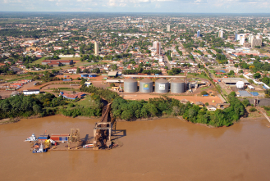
(166, 149)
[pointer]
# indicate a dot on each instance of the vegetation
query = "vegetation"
(126, 109)
(103, 93)
(204, 93)
(252, 109)
(81, 111)
(174, 71)
(245, 102)
(26, 106)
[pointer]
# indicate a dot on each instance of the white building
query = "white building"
(168, 28)
(220, 34)
(96, 48)
(242, 40)
(31, 91)
(239, 36)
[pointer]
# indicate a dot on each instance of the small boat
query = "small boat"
(88, 146)
(39, 148)
(31, 138)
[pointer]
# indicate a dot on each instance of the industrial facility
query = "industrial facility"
(161, 85)
(102, 138)
(146, 85)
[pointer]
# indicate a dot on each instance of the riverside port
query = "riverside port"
(102, 137)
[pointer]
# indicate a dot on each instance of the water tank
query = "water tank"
(130, 85)
(177, 86)
(162, 86)
(240, 84)
(146, 85)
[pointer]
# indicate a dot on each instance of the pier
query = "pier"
(102, 137)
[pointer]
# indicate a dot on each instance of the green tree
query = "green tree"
(204, 93)
(127, 114)
(246, 102)
(37, 109)
(257, 75)
(78, 70)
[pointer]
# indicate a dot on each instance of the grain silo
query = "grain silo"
(177, 86)
(130, 85)
(146, 85)
(162, 86)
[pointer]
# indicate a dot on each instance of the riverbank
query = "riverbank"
(15, 120)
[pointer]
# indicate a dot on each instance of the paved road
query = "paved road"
(166, 62)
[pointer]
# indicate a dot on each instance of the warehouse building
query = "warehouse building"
(233, 81)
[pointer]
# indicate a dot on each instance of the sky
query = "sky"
(175, 6)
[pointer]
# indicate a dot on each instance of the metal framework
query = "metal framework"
(74, 137)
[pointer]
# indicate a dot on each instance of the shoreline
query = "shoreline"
(17, 119)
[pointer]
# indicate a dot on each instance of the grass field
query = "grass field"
(70, 58)
(11, 78)
(87, 102)
(20, 78)
(65, 89)
(197, 76)
(38, 61)
(203, 88)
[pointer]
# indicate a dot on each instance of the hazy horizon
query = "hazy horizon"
(136, 6)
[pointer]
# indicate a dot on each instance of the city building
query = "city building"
(220, 34)
(168, 28)
(249, 38)
(265, 31)
(96, 48)
(157, 46)
(198, 33)
(242, 40)
(239, 36)
(256, 41)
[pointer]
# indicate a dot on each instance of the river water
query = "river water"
(165, 149)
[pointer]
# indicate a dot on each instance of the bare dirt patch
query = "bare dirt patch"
(142, 96)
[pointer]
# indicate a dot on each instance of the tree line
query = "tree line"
(128, 110)
(25, 106)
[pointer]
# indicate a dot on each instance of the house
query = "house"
(72, 96)
(112, 74)
(31, 91)
(222, 105)
(57, 48)
(84, 75)
(211, 108)
(200, 104)
(88, 84)
(93, 75)
(184, 101)
(14, 93)
(230, 61)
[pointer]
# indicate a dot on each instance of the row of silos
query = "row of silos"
(161, 86)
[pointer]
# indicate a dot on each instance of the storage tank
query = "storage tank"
(146, 85)
(130, 85)
(162, 86)
(240, 85)
(177, 86)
